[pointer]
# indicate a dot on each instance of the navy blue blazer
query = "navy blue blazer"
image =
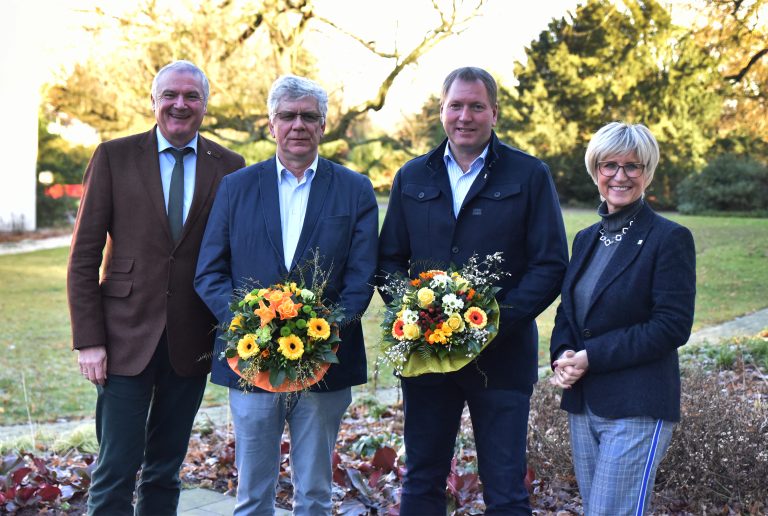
(243, 244)
(640, 312)
(511, 207)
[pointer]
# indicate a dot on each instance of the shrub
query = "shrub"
(549, 445)
(729, 183)
(719, 451)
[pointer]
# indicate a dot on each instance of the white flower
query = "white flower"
(307, 295)
(410, 317)
(439, 281)
(452, 304)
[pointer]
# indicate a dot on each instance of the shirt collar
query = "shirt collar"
(448, 157)
(307, 173)
(163, 144)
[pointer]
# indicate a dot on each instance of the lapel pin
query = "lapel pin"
(639, 242)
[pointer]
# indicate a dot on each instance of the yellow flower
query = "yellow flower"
(251, 297)
(318, 329)
(460, 282)
(425, 296)
(447, 331)
(237, 322)
(263, 292)
(437, 337)
(411, 331)
(247, 347)
(291, 347)
(476, 317)
(455, 323)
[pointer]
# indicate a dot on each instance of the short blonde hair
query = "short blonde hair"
(619, 138)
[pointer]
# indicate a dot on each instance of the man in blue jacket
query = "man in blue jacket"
(269, 220)
(475, 195)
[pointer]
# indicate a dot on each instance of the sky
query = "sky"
(493, 40)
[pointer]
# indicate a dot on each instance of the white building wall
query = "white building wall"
(20, 80)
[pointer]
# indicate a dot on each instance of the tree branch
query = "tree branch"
(449, 26)
(737, 77)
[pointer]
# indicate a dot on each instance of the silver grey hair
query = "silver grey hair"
(292, 87)
(618, 138)
(182, 66)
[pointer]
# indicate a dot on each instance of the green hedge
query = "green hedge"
(729, 183)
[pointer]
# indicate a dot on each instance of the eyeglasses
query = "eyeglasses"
(290, 116)
(611, 168)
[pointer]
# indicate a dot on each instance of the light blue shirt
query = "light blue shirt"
(167, 161)
(294, 195)
(461, 181)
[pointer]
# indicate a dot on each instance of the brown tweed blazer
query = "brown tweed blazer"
(126, 280)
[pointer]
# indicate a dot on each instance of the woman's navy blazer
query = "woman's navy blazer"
(640, 312)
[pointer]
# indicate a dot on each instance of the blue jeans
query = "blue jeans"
(433, 407)
(616, 461)
(313, 423)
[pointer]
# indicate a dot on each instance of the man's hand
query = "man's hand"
(93, 364)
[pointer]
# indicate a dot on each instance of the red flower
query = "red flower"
(397, 329)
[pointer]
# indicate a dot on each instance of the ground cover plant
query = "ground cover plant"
(38, 374)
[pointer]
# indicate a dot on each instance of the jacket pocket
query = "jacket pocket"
(123, 265)
(421, 193)
(499, 192)
(116, 288)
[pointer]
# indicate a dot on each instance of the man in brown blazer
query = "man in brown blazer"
(143, 336)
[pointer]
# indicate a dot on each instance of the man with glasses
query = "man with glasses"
(142, 334)
(268, 221)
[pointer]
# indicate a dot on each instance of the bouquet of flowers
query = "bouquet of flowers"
(282, 338)
(441, 320)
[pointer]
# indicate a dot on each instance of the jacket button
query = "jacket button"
(587, 333)
(421, 195)
(455, 249)
(497, 194)
(168, 293)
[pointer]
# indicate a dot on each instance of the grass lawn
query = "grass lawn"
(39, 378)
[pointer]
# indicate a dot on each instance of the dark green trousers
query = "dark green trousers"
(143, 422)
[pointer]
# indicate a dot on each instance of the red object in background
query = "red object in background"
(58, 191)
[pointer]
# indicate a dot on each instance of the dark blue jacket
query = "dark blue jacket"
(640, 312)
(243, 242)
(511, 207)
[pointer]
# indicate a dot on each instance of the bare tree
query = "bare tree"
(243, 46)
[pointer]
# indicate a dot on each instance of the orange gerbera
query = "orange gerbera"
(288, 309)
(397, 329)
(476, 317)
(430, 274)
(265, 313)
